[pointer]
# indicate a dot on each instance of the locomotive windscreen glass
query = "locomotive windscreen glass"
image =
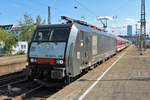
(60, 35)
(42, 35)
(53, 35)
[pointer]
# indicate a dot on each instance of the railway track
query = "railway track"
(20, 88)
(17, 86)
(11, 77)
(27, 90)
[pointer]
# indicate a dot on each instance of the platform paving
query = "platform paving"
(127, 79)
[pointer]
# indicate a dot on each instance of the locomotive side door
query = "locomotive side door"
(84, 48)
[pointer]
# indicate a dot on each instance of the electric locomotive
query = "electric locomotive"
(64, 51)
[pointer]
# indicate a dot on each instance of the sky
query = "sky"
(121, 12)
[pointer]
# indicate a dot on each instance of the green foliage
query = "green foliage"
(8, 39)
(38, 20)
(28, 26)
(3, 35)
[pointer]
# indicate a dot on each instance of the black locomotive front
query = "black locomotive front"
(46, 54)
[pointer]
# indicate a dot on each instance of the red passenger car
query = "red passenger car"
(120, 43)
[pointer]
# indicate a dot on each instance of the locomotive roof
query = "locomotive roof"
(91, 29)
(54, 26)
(79, 26)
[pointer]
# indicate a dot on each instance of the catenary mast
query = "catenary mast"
(143, 26)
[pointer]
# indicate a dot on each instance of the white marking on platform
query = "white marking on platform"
(99, 78)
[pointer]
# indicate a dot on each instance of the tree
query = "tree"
(9, 41)
(28, 26)
(39, 21)
(3, 35)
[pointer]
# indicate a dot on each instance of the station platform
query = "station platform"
(126, 76)
(12, 64)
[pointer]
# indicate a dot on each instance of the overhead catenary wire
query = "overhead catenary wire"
(91, 12)
(52, 8)
(30, 10)
(35, 9)
(46, 5)
(58, 10)
(86, 8)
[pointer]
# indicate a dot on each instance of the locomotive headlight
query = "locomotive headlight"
(60, 62)
(33, 60)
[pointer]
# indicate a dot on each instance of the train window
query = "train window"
(82, 37)
(53, 35)
(60, 35)
(42, 35)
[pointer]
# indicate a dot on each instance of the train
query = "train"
(64, 51)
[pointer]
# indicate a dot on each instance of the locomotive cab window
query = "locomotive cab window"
(42, 35)
(60, 35)
(53, 35)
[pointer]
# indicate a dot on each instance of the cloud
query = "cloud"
(105, 17)
(130, 21)
(120, 27)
